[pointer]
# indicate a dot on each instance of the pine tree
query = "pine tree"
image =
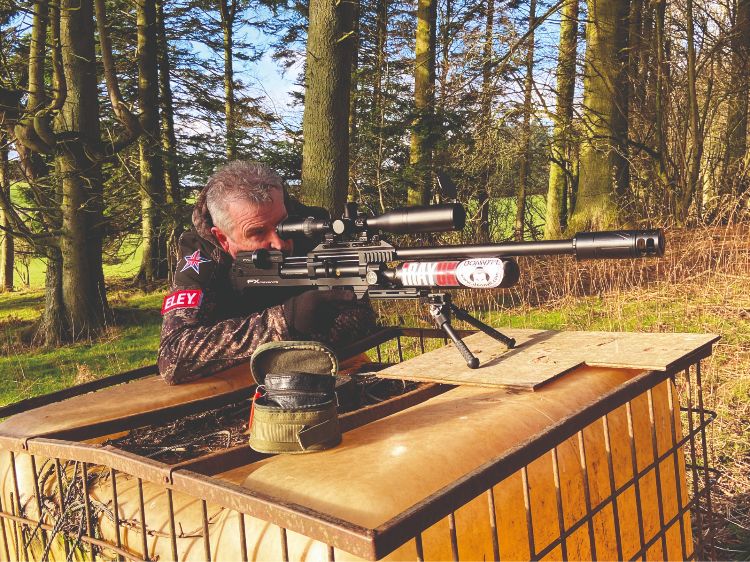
(153, 196)
(422, 136)
(561, 175)
(603, 163)
(325, 122)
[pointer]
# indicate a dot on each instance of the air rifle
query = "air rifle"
(351, 253)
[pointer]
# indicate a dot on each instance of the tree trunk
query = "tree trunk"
(154, 259)
(378, 100)
(25, 130)
(440, 157)
(696, 134)
(168, 143)
(228, 10)
(445, 48)
(525, 160)
(53, 327)
(561, 169)
(420, 156)
(82, 278)
(603, 165)
(75, 301)
(325, 121)
(381, 26)
(353, 101)
(644, 45)
(636, 72)
(659, 103)
(6, 238)
(483, 197)
(736, 133)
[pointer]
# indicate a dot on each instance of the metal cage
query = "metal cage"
(61, 508)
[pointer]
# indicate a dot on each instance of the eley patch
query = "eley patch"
(185, 298)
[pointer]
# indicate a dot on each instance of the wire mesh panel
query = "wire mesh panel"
(626, 477)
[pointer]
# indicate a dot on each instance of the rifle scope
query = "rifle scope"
(428, 218)
(405, 220)
(585, 245)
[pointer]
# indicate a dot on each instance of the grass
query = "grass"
(29, 372)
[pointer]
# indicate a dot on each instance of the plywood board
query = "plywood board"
(543, 355)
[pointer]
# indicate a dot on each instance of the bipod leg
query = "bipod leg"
(461, 314)
(441, 315)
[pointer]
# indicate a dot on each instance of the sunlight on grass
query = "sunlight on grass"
(20, 305)
(31, 372)
(43, 371)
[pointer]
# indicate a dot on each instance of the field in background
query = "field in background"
(503, 216)
(29, 273)
(701, 285)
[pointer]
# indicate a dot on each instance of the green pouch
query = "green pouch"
(292, 366)
(283, 430)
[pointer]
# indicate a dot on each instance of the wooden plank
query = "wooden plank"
(138, 402)
(543, 355)
(149, 394)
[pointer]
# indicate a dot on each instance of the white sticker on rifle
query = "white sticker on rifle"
(480, 273)
(428, 274)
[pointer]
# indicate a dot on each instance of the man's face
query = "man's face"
(254, 227)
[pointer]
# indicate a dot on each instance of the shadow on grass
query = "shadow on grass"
(13, 302)
(733, 533)
(19, 314)
(135, 316)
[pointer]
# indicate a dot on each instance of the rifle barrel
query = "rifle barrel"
(617, 244)
(508, 249)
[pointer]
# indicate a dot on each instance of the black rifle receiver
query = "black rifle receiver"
(351, 253)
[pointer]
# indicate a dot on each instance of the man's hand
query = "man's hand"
(313, 312)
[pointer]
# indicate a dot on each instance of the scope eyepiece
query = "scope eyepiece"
(309, 227)
(619, 244)
(427, 218)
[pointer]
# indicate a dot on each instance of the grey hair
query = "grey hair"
(239, 181)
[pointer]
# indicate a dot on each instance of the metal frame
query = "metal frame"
(194, 477)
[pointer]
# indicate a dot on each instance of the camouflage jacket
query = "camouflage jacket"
(208, 326)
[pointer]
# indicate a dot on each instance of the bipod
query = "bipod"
(441, 308)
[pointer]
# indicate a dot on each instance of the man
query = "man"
(207, 325)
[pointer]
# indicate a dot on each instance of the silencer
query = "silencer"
(427, 218)
(619, 244)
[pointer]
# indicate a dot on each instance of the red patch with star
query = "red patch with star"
(187, 298)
